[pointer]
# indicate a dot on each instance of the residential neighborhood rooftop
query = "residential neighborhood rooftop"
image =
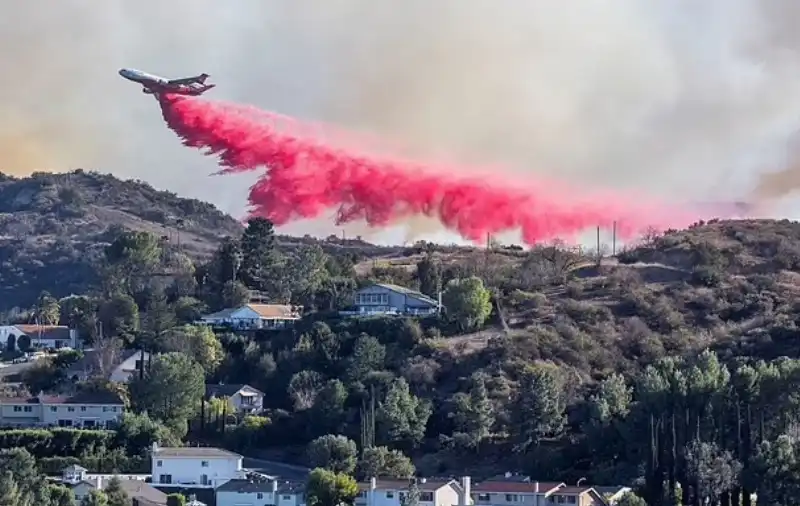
(78, 398)
(193, 451)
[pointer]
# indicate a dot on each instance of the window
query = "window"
(159, 463)
(204, 479)
(286, 498)
(426, 496)
(165, 479)
(83, 408)
(27, 409)
(512, 498)
(259, 495)
(17, 409)
(138, 365)
(71, 409)
(53, 409)
(203, 463)
(483, 497)
(248, 400)
(390, 495)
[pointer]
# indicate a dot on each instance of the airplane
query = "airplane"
(153, 85)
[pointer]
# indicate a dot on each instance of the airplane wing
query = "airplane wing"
(190, 80)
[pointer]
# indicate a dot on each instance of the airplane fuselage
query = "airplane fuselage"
(153, 84)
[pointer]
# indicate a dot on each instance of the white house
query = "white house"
(89, 410)
(385, 492)
(244, 398)
(114, 365)
(82, 483)
(391, 299)
(195, 467)
(260, 493)
(254, 316)
(41, 336)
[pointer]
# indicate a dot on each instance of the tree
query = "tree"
(304, 388)
(538, 409)
(468, 302)
(326, 488)
(117, 496)
(197, 341)
(10, 493)
(429, 274)
(335, 453)
(11, 343)
(412, 496)
(775, 471)
(260, 258)
(474, 414)
(25, 479)
(170, 390)
(80, 312)
(119, 316)
(381, 461)
(24, 343)
(631, 499)
(95, 498)
(176, 500)
(329, 407)
(368, 355)
(61, 496)
(47, 311)
(129, 261)
(714, 471)
(402, 416)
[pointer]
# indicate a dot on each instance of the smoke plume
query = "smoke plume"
(683, 100)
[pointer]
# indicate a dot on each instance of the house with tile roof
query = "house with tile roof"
(84, 410)
(388, 299)
(254, 316)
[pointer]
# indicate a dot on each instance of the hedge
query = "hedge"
(43, 443)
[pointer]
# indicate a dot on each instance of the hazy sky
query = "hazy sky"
(685, 100)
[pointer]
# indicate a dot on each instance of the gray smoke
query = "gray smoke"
(682, 100)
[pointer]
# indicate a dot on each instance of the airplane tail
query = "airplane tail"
(202, 78)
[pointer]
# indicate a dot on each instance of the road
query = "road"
(283, 471)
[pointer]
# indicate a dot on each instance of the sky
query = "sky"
(680, 100)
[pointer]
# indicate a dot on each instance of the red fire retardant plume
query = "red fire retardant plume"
(308, 172)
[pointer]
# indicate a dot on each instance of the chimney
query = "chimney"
(423, 480)
(536, 487)
(373, 483)
(466, 491)
(99, 483)
(275, 490)
(155, 446)
(508, 474)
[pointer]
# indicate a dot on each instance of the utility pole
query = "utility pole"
(614, 239)
(599, 258)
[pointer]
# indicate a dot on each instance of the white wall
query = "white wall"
(123, 372)
(189, 470)
(79, 414)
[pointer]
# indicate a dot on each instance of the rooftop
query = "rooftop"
(515, 487)
(226, 390)
(407, 291)
(394, 484)
(104, 398)
(44, 331)
(194, 451)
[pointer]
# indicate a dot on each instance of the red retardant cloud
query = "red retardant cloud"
(308, 171)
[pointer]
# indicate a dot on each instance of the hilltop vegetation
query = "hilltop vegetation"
(53, 228)
(663, 365)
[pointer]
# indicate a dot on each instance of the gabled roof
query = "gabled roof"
(91, 358)
(407, 291)
(269, 311)
(194, 451)
(515, 487)
(227, 390)
(138, 489)
(395, 484)
(276, 311)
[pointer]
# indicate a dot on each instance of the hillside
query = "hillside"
(53, 227)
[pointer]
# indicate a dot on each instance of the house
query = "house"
(87, 410)
(114, 365)
(244, 398)
(391, 299)
(195, 467)
(389, 492)
(254, 316)
(258, 493)
(82, 483)
(533, 493)
(50, 337)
